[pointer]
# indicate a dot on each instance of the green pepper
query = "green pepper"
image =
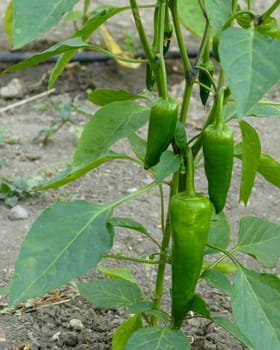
(150, 77)
(190, 221)
(168, 32)
(190, 215)
(162, 126)
(218, 148)
(204, 79)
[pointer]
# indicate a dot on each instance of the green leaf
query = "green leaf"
(169, 163)
(63, 46)
(180, 136)
(265, 109)
(217, 279)
(219, 234)
(260, 239)
(124, 331)
(191, 16)
(233, 329)
(100, 16)
(218, 13)
(250, 160)
(253, 68)
(269, 27)
(74, 172)
(140, 307)
(103, 96)
(64, 242)
(157, 339)
(111, 293)
(138, 145)
(110, 123)
(6, 289)
(128, 223)
(32, 19)
(120, 273)
(269, 168)
(199, 306)
(255, 307)
(8, 20)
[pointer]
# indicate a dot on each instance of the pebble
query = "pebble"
(76, 324)
(18, 213)
(15, 88)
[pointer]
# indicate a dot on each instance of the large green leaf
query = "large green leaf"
(63, 46)
(260, 239)
(118, 272)
(263, 109)
(103, 96)
(100, 16)
(169, 164)
(138, 145)
(124, 331)
(65, 241)
(269, 168)
(110, 293)
(191, 16)
(250, 160)
(217, 280)
(74, 172)
(157, 339)
(110, 123)
(218, 11)
(233, 329)
(255, 307)
(219, 234)
(253, 68)
(33, 18)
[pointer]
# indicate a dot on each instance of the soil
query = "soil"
(62, 319)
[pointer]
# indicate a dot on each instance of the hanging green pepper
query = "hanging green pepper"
(204, 79)
(162, 126)
(218, 145)
(168, 32)
(190, 215)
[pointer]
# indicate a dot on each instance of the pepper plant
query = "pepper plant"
(70, 238)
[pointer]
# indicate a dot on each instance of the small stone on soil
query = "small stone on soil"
(18, 213)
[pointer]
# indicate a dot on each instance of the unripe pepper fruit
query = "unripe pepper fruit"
(205, 79)
(162, 126)
(218, 147)
(190, 216)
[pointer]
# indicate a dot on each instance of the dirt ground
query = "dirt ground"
(62, 319)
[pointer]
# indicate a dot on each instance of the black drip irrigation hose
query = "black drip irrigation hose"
(82, 57)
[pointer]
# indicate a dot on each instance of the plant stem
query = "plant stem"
(249, 4)
(127, 258)
(162, 76)
(271, 9)
(85, 11)
(131, 195)
(162, 206)
(146, 47)
(190, 172)
(220, 104)
(162, 264)
(204, 46)
(225, 252)
(179, 36)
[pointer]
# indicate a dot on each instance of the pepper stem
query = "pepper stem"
(220, 105)
(190, 188)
